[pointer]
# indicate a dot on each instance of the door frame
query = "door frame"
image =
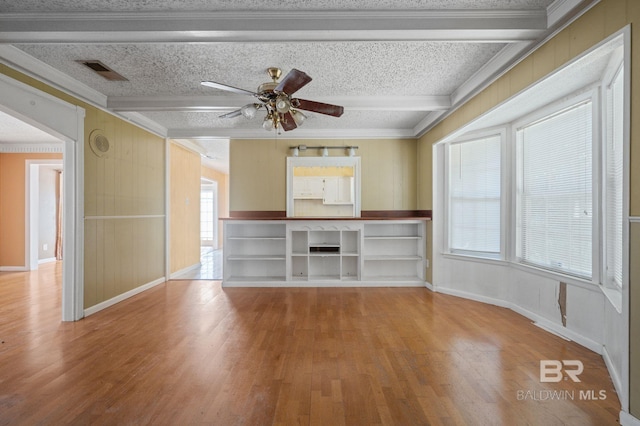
(65, 121)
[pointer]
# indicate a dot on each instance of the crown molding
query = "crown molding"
(22, 148)
(559, 9)
(144, 122)
(230, 102)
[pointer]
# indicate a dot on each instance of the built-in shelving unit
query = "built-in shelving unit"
(394, 251)
(324, 253)
(255, 251)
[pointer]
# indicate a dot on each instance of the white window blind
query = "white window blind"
(554, 194)
(474, 196)
(613, 179)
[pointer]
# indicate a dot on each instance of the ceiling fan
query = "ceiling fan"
(282, 110)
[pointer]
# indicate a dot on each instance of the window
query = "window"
(474, 197)
(206, 216)
(554, 198)
(613, 179)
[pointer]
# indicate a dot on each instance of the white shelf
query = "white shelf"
(393, 278)
(386, 237)
(256, 257)
(324, 278)
(392, 257)
(257, 238)
(245, 279)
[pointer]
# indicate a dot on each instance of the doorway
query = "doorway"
(208, 214)
(65, 122)
(45, 209)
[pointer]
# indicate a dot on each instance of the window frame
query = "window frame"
(587, 94)
(502, 133)
(616, 69)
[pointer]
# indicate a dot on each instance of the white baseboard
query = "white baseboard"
(472, 296)
(13, 269)
(119, 298)
(177, 274)
(559, 329)
(321, 283)
(539, 320)
(48, 260)
(627, 419)
(615, 376)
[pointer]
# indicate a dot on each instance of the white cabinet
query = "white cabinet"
(356, 252)
(308, 187)
(338, 190)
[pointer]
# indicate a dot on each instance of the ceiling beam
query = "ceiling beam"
(299, 133)
(501, 26)
(231, 102)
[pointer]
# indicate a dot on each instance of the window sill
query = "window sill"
(558, 276)
(471, 258)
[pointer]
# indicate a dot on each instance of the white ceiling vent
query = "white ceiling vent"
(103, 70)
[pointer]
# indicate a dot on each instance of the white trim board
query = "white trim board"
(539, 321)
(626, 419)
(119, 298)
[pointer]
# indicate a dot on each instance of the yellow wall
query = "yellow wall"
(12, 206)
(185, 208)
(223, 196)
(124, 209)
(258, 172)
(601, 21)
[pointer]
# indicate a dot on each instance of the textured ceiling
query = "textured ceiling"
(397, 66)
(15, 131)
(377, 68)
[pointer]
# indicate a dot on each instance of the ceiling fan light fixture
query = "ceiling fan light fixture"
(275, 97)
(268, 124)
(283, 105)
(249, 111)
(298, 117)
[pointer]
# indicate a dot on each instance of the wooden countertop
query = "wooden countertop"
(366, 215)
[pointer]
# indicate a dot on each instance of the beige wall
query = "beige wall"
(601, 21)
(185, 208)
(124, 209)
(258, 172)
(223, 196)
(12, 206)
(634, 308)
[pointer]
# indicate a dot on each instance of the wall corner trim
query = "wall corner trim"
(119, 298)
(627, 419)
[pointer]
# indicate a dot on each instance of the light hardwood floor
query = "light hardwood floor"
(191, 352)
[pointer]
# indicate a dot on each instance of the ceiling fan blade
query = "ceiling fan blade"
(228, 88)
(292, 82)
(231, 114)
(287, 122)
(319, 107)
